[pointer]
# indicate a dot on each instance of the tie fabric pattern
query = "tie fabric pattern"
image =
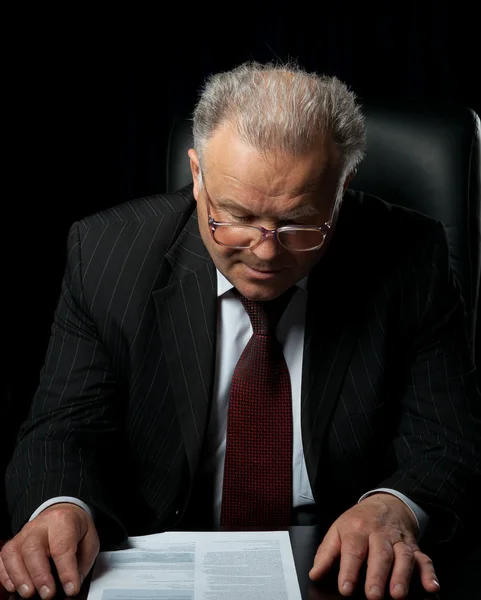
(257, 486)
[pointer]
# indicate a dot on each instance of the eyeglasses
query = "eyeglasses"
(297, 238)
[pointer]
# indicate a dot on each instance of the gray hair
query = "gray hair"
(281, 107)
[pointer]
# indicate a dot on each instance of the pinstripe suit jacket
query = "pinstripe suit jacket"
(388, 392)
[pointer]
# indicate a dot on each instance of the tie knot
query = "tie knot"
(265, 316)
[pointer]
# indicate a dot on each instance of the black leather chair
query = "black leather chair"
(425, 158)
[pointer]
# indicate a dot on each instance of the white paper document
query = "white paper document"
(199, 565)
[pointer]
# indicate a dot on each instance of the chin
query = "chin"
(261, 292)
(258, 289)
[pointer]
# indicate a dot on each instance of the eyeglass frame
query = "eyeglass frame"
(213, 225)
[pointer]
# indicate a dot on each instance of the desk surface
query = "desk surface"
(458, 584)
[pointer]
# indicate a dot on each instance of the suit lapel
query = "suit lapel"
(186, 312)
(331, 334)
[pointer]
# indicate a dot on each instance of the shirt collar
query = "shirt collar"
(224, 285)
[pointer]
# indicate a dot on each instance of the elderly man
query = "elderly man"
(261, 349)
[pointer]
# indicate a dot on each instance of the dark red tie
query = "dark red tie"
(257, 488)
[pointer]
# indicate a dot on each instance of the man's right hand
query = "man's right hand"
(63, 532)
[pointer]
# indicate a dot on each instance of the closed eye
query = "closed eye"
(243, 219)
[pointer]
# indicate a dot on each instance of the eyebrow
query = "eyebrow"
(305, 210)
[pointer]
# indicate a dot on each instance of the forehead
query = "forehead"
(268, 181)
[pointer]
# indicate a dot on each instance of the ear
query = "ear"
(195, 170)
(348, 179)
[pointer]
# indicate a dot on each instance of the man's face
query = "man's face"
(264, 189)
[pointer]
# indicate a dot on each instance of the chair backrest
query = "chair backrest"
(424, 158)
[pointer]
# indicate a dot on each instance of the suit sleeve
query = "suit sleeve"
(439, 433)
(65, 447)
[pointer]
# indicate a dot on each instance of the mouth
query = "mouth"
(262, 273)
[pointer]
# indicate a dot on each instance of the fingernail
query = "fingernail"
(9, 585)
(44, 591)
(23, 589)
(399, 588)
(69, 588)
(376, 591)
(347, 587)
(435, 581)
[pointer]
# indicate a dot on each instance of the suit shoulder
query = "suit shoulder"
(388, 222)
(133, 236)
(150, 208)
(387, 237)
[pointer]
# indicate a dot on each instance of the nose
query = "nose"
(268, 249)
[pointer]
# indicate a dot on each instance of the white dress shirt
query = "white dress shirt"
(233, 332)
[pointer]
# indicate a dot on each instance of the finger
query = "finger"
(36, 559)
(87, 551)
(63, 541)
(402, 571)
(379, 562)
(427, 572)
(16, 570)
(353, 553)
(5, 579)
(326, 554)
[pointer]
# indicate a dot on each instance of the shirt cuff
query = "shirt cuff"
(420, 515)
(58, 500)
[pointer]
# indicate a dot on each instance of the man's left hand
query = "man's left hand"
(381, 529)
